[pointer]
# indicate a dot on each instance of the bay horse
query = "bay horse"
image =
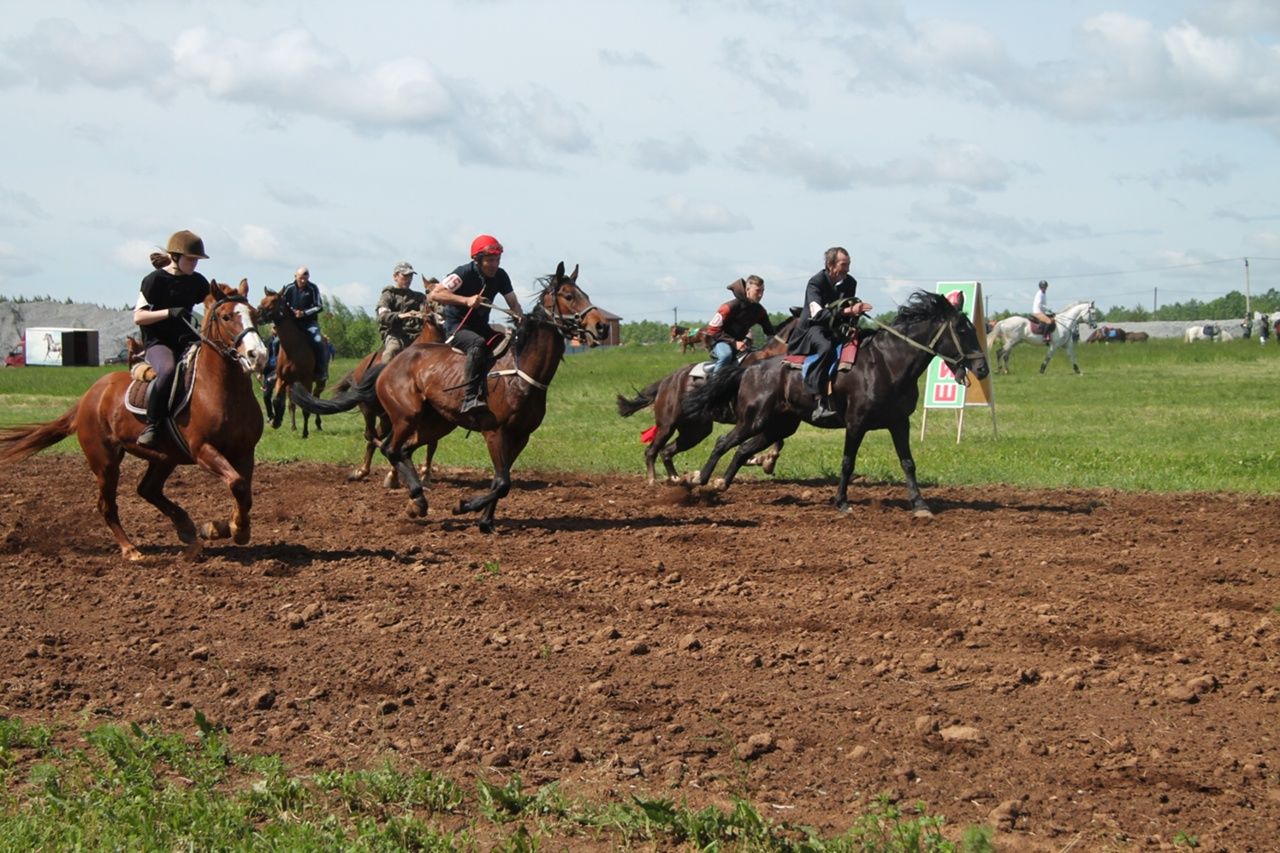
(1107, 335)
(219, 427)
(1136, 337)
(1012, 331)
(375, 422)
(689, 339)
(295, 362)
(666, 396)
(421, 391)
(879, 391)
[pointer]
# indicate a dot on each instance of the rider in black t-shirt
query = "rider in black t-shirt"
(163, 311)
(465, 296)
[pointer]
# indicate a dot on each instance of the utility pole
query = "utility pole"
(675, 316)
(1247, 297)
(1155, 298)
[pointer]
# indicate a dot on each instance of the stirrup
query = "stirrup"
(149, 436)
(473, 402)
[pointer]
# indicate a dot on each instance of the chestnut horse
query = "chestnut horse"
(295, 362)
(688, 339)
(219, 427)
(421, 390)
(376, 424)
(880, 391)
(667, 397)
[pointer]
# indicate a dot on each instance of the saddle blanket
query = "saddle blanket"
(846, 357)
(135, 397)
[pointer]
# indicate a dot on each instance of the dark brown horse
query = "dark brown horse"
(219, 427)
(880, 391)
(689, 339)
(1136, 337)
(666, 396)
(295, 362)
(375, 423)
(1107, 335)
(421, 392)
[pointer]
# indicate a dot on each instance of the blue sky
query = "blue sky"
(1127, 152)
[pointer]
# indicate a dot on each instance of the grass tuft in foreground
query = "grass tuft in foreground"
(139, 789)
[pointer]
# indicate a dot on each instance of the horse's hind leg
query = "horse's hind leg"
(237, 473)
(105, 463)
(745, 451)
(691, 434)
(151, 489)
(852, 441)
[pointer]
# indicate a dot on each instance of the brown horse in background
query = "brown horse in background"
(219, 427)
(295, 362)
(688, 339)
(375, 422)
(666, 396)
(421, 392)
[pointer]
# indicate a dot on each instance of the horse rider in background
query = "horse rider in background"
(813, 334)
(465, 296)
(1041, 312)
(302, 295)
(401, 311)
(730, 327)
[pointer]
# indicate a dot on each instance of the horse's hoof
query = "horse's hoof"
(391, 481)
(215, 530)
(718, 485)
(769, 465)
(356, 476)
(485, 526)
(414, 509)
(131, 554)
(192, 553)
(240, 535)
(923, 512)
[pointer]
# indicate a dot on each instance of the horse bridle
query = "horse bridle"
(570, 325)
(231, 353)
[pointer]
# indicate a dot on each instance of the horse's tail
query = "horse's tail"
(363, 391)
(19, 442)
(344, 383)
(719, 388)
(643, 400)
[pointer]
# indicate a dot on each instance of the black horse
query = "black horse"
(880, 391)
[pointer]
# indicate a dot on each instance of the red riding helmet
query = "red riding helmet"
(485, 245)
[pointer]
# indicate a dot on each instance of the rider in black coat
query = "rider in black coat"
(812, 335)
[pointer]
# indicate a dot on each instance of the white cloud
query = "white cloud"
(671, 156)
(57, 54)
(353, 293)
(133, 255)
(687, 216)
(258, 243)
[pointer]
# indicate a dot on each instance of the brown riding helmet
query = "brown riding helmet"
(186, 243)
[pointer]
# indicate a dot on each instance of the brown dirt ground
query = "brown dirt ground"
(1084, 669)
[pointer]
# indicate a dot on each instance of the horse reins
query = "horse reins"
(931, 347)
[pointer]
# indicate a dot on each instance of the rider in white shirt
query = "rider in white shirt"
(1041, 313)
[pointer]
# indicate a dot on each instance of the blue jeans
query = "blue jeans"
(722, 355)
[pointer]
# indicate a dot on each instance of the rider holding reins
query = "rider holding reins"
(465, 296)
(813, 335)
(730, 327)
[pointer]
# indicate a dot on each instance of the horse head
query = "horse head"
(1091, 315)
(952, 335)
(230, 325)
(570, 308)
(272, 309)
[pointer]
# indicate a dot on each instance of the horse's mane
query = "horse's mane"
(923, 307)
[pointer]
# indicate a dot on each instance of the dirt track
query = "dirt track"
(1086, 667)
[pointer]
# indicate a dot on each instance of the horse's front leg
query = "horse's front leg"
(504, 447)
(151, 489)
(277, 413)
(1053, 347)
(745, 451)
(237, 473)
(690, 433)
(723, 445)
(1071, 351)
(400, 455)
(104, 460)
(901, 433)
(852, 442)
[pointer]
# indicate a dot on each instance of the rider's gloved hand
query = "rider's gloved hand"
(176, 312)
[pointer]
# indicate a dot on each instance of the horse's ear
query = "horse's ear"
(574, 276)
(243, 289)
(215, 289)
(560, 270)
(266, 291)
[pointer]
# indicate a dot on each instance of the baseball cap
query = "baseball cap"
(403, 267)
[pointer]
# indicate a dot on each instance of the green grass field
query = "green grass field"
(1161, 416)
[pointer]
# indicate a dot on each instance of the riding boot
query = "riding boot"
(474, 376)
(157, 411)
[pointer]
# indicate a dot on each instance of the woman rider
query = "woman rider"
(163, 312)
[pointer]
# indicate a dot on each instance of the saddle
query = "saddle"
(184, 380)
(497, 344)
(1041, 328)
(846, 357)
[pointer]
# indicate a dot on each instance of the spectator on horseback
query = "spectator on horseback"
(1041, 312)
(163, 311)
(730, 328)
(813, 335)
(465, 296)
(302, 296)
(401, 311)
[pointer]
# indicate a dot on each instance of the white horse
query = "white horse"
(1012, 331)
(1211, 332)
